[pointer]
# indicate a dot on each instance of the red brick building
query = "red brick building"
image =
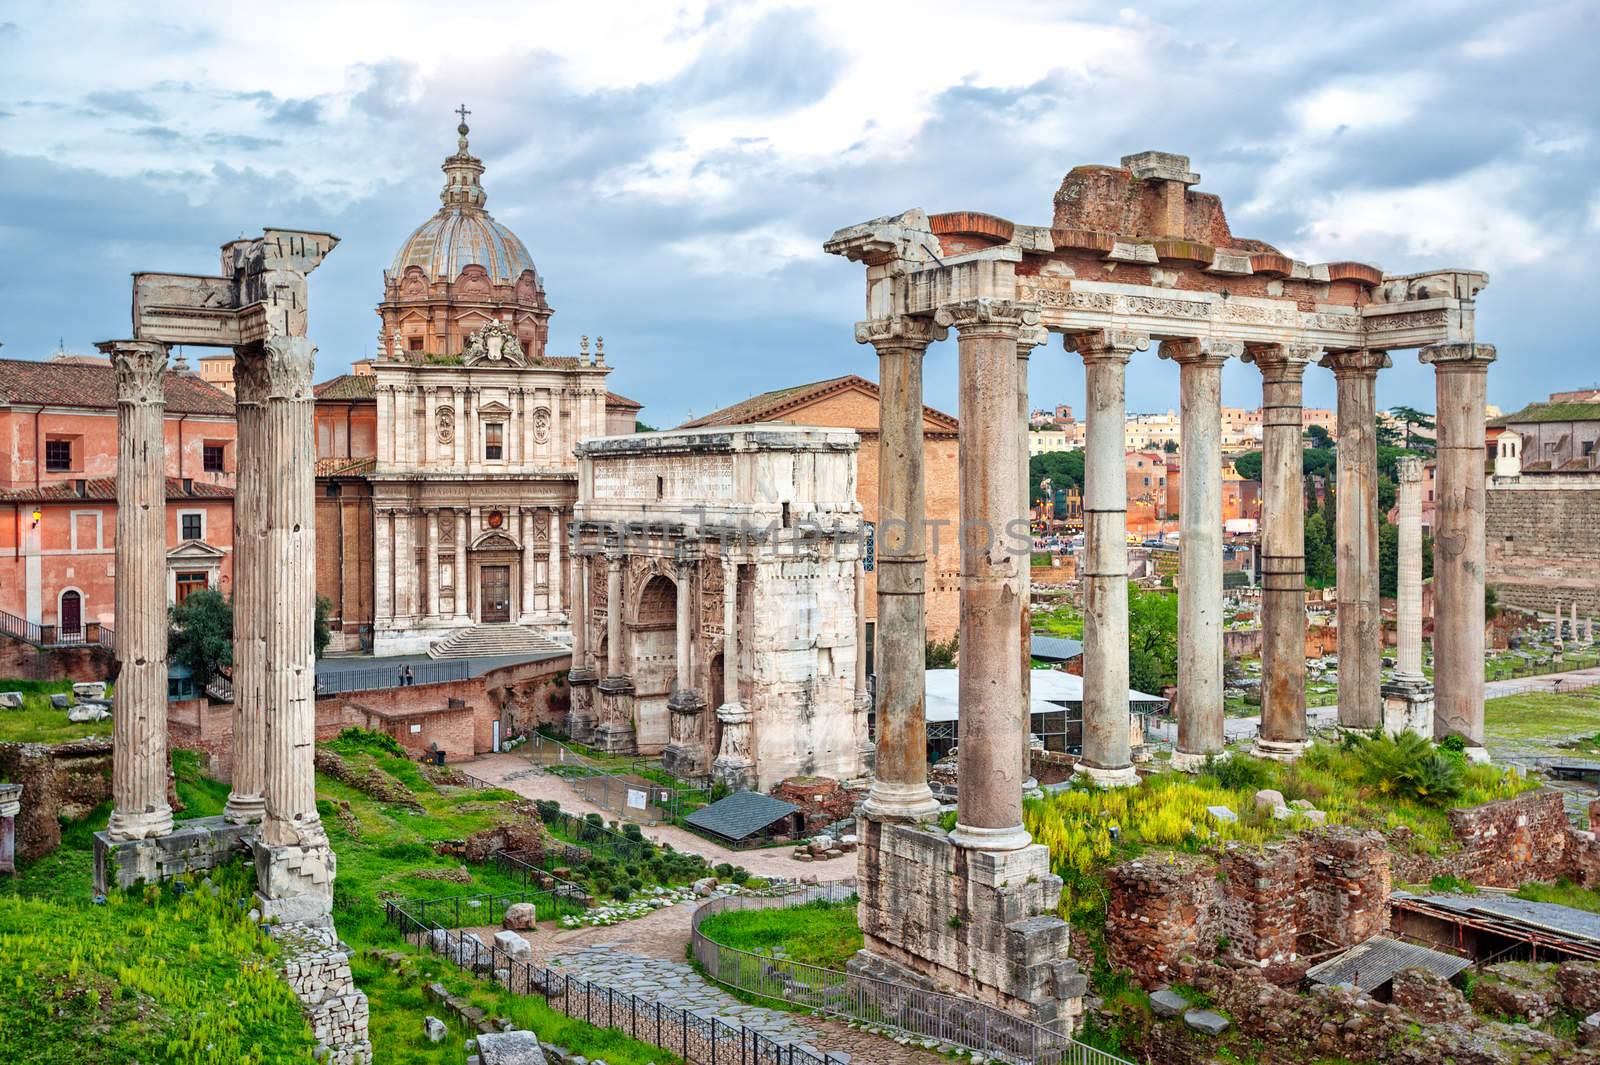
(58, 492)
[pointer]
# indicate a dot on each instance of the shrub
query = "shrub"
(1239, 773)
(758, 883)
(621, 892)
(595, 819)
(371, 742)
(549, 809)
(631, 830)
(724, 871)
(635, 883)
(741, 875)
(1407, 765)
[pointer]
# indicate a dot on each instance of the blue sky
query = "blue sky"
(675, 168)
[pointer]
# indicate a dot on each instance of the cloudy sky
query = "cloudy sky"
(675, 167)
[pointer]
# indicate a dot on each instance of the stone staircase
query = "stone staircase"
(483, 641)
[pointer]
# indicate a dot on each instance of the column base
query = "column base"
(737, 775)
(1192, 762)
(1280, 750)
(614, 737)
(900, 803)
(1477, 755)
(295, 883)
(244, 810)
(1126, 777)
(1408, 706)
(125, 826)
(971, 837)
(204, 843)
(684, 760)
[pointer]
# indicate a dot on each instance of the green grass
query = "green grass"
(148, 977)
(1563, 893)
(816, 933)
(39, 722)
(1541, 718)
(1062, 621)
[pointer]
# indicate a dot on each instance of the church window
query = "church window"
(414, 344)
(187, 584)
(494, 440)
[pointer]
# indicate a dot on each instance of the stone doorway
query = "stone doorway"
(71, 614)
(494, 594)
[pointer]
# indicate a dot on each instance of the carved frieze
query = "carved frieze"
(711, 591)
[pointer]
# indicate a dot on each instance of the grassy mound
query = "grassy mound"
(817, 933)
(36, 721)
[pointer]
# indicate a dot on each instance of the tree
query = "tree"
(1320, 562)
(201, 636)
(1388, 435)
(1319, 436)
(1170, 447)
(942, 655)
(643, 427)
(320, 632)
(1249, 465)
(1152, 640)
(1064, 468)
(1411, 420)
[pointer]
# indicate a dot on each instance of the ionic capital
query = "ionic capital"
(900, 330)
(1030, 337)
(1408, 469)
(139, 365)
(1281, 362)
(1205, 351)
(988, 314)
(1471, 356)
(1359, 362)
(1103, 344)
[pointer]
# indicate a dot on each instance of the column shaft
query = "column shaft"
(1460, 374)
(245, 801)
(580, 612)
(382, 566)
(900, 783)
(683, 680)
(553, 583)
(1408, 577)
(431, 565)
(460, 576)
(614, 659)
(1283, 562)
(529, 568)
(1106, 750)
(1356, 524)
(989, 802)
(139, 761)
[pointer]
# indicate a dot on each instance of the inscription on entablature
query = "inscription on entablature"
(1384, 323)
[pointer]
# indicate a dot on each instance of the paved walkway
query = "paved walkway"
(514, 772)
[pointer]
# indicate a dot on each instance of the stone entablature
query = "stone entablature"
(718, 571)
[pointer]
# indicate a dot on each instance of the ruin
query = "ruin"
(1132, 257)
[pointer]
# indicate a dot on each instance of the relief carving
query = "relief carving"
(447, 425)
(541, 426)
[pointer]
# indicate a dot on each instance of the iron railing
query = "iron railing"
(697, 1039)
(637, 793)
(379, 677)
(912, 1011)
(89, 634)
(455, 911)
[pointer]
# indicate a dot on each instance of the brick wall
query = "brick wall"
(1539, 541)
(24, 661)
(1512, 841)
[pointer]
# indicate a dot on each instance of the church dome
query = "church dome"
(462, 233)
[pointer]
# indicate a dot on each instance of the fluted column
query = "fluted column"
(462, 617)
(1283, 553)
(553, 582)
(1408, 575)
(734, 765)
(382, 563)
(431, 566)
(430, 432)
(1200, 715)
(246, 805)
(1107, 758)
(989, 802)
(1029, 338)
(900, 789)
(139, 761)
(1356, 554)
(1460, 374)
(529, 568)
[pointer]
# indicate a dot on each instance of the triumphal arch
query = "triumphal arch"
(1133, 261)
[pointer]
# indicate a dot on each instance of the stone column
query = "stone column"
(294, 863)
(1408, 579)
(1283, 552)
(1460, 374)
(733, 766)
(462, 617)
(614, 608)
(405, 564)
(1360, 623)
(529, 568)
(1200, 716)
(382, 565)
(989, 801)
(581, 669)
(431, 565)
(684, 755)
(900, 782)
(245, 802)
(1029, 338)
(385, 397)
(553, 583)
(862, 696)
(139, 722)
(1106, 757)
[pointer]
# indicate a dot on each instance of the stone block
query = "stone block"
(1168, 1003)
(203, 843)
(510, 1048)
(514, 945)
(1222, 813)
(1206, 1022)
(10, 700)
(520, 915)
(89, 689)
(1302, 804)
(87, 713)
(433, 1028)
(1269, 799)
(61, 701)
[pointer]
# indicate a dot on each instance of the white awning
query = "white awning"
(1051, 688)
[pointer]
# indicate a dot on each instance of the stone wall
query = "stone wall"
(317, 966)
(27, 662)
(1539, 536)
(1512, 841)
(822, 800)
(1160, 910)
(63, 781)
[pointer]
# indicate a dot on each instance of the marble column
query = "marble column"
(530, 568)
(900, 789)
(553, 582)
(1200, 716)
(1356, 523)
(405, 567)
(684, 754)
(431, 566)
(989, 801)
(582, 669)
(734, 765)
(1029, 338)
(1107, 758)
(460, 576)
(1460, 375)
(614, 608)
(862, 700)
(139, 762)
(1408, 577)
(246, 805)
(1283, 552)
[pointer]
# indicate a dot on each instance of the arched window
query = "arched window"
(71, 613)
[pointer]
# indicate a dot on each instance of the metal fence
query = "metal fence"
(88, 634)
(697, 1039)
(638, 793)
(549, 904)
(379, 677)
(913, 1011)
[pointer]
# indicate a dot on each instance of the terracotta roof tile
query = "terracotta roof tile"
(104, 489)
(769, 406)
(348, 386)
(68, 384)
(615, 399)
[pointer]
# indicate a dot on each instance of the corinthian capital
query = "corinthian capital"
(988, 313)
(279, 367)
(1281, 361)
(1106, 344)
(1442, 356)
(139, 365)
(1201, 350)
(900, 330)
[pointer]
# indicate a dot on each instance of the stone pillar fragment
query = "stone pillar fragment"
(900, 783)
(734, 765)
(10, 807)
(1356, 556)
(246, 805)
(1408, 697)
(994, 544)
(616, 732)
(294, 864)
(1460, 374)
(139, 721)
(1283, 552)
(1106, 752)
(1200, 715)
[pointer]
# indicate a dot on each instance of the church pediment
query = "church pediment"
(194, 551)
(494, 406)
(495, 541)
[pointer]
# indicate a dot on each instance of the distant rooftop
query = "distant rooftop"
(63, 383)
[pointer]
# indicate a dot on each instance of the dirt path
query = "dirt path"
(515, 773)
